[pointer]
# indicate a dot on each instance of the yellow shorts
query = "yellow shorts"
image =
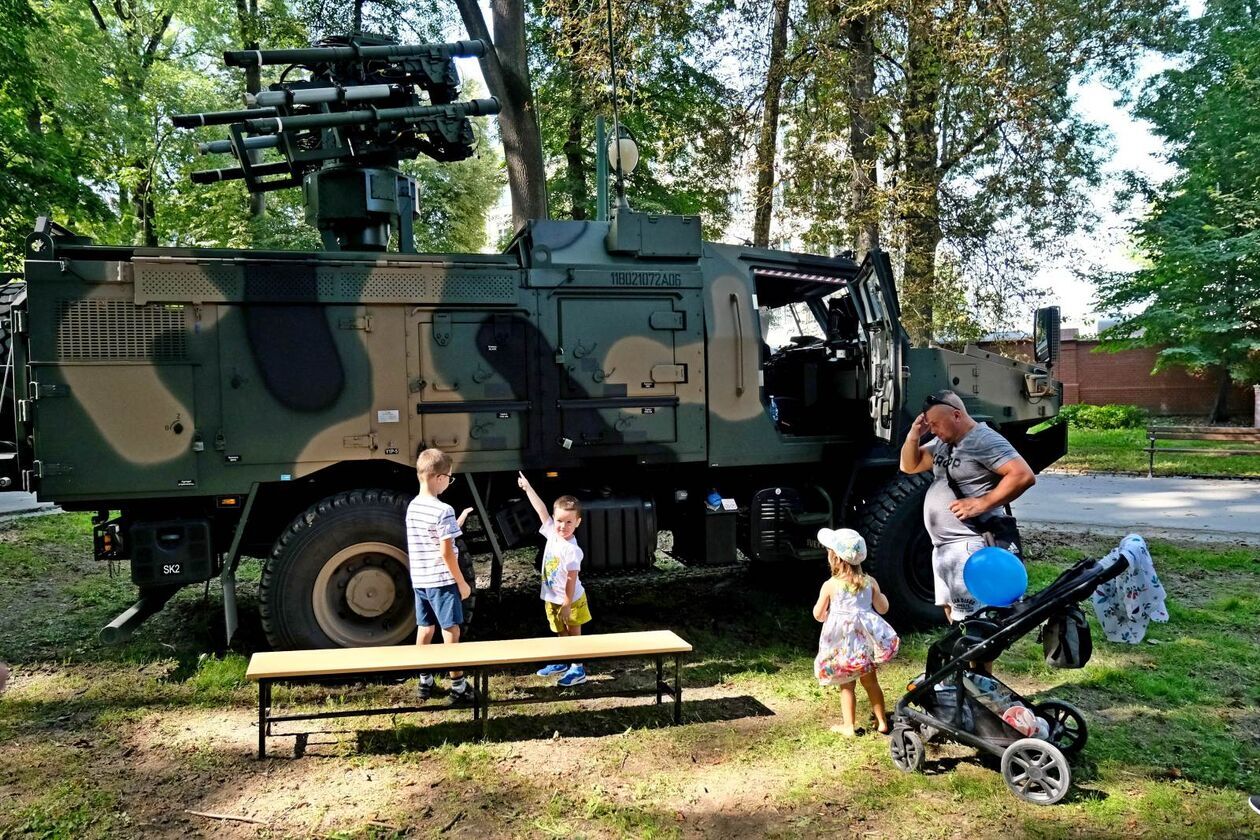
(579, 614)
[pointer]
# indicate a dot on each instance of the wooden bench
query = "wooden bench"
(479, 659)
(1234, 434)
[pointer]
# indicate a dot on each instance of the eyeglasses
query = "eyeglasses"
(931, 400)
(449, 478)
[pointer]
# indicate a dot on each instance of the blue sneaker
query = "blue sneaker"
(552, 670)
(574, 676)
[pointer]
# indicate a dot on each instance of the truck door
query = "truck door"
(876, 298)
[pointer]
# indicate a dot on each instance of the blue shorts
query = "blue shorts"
(440, 605)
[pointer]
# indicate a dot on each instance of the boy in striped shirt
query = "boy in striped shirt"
(439, 585)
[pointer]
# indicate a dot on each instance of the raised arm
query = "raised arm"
(539, 508)
(914, 458)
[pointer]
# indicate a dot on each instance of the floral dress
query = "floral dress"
(854, 637)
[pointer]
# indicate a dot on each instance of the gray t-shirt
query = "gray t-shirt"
(972, 462)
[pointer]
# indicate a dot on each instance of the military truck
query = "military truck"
(209, 405)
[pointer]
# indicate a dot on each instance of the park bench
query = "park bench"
(478, 659)
(1239, 435)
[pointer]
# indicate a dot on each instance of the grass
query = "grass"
(1121, 451)
(104, 742)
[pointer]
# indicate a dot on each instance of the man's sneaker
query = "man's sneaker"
(461, 698)
(426, 689)
(552, 670)
(574, 676)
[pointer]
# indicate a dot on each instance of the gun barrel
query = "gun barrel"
(316, 96)
(235, 173)
(220, 117)
(328, 55)
(218, 147)
(307, 122)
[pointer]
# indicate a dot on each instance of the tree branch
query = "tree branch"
(970, 146)
(96, 14)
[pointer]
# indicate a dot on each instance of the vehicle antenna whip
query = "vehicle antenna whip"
(612, 63)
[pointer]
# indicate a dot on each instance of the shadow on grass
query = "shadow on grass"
(574, 723)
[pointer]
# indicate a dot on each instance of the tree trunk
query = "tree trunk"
(507, 74)
(921, 179)
(865, 178)
(575, 165)
(767, 143)
(145, 211)
(1220, 409)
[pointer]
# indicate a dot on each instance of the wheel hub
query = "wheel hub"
(370, 592)
(360, 596)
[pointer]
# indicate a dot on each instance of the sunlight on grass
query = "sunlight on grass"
(1121, 451)
(1171, 747)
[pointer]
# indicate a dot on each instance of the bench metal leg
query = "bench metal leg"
(264, 710)
(660, 676)
(485, 704)
(1150, 469)
(677, 689)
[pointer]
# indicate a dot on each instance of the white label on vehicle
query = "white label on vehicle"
(390, 416)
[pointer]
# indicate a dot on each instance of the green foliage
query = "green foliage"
(673, 102)
(1085, 416)
(86, 94)
(985, 165)
(1198, 295)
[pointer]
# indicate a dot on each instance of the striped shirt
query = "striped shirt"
(429, 522)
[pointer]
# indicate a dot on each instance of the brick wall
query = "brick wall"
(1125, 377)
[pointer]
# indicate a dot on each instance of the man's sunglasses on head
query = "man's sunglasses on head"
(931, 400)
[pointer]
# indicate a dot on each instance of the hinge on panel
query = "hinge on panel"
(362, 322)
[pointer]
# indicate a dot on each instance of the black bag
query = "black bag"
(999, 530)
(1065, 639)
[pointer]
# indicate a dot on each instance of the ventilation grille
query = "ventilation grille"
(384, 285)
(195, 283)
(118, 329)
(304, 283)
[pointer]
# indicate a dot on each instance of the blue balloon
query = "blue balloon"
(995, 577)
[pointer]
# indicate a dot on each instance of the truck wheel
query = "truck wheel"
(899, 550)
(338, 575)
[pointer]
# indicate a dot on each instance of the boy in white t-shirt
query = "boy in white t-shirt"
(562, 592)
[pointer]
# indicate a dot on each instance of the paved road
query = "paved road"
(1208, 507)
(15, 502)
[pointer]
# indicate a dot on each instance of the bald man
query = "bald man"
(986, 469)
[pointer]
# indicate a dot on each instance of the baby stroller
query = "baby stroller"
(955, 701)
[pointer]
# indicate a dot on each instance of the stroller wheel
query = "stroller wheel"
(1067, 725)
(1036, 771)
(907, 749)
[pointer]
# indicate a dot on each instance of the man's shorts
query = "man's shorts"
(579, 613)
(948, 560)
(439, 605)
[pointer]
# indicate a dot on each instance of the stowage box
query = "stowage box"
(617, 534)
(172, 552)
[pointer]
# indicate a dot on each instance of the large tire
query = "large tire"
(338, 575)
(899, 550)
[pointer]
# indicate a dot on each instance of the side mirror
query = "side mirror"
(1046, 336)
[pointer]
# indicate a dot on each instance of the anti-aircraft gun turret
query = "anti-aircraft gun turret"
(214, 404)
(342, 131)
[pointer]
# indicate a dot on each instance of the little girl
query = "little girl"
(854, 639)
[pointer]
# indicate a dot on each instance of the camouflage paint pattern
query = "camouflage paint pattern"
(199, 372)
